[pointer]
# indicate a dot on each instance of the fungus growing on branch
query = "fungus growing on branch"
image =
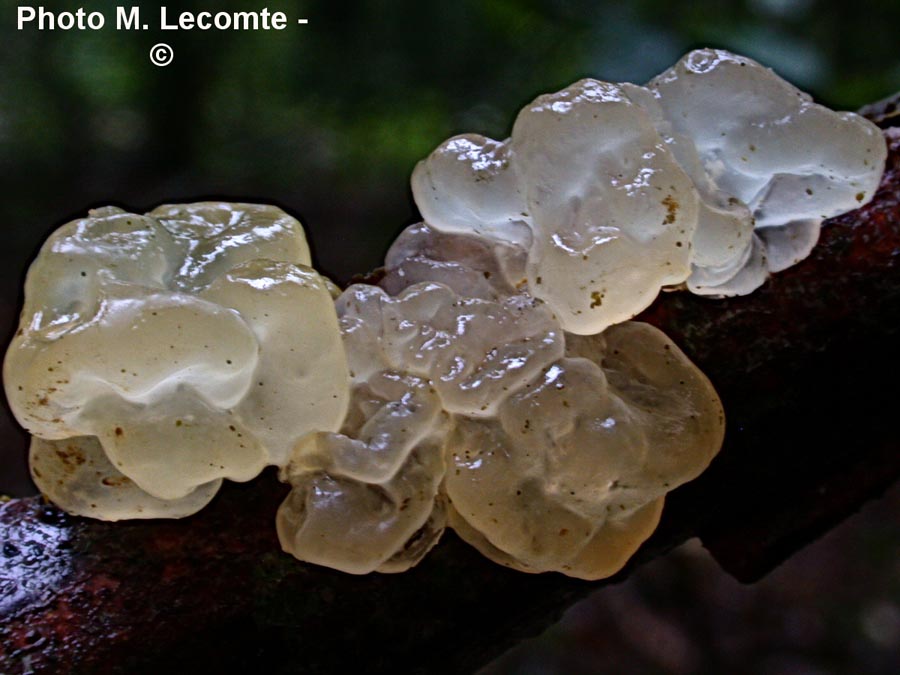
(493, 383)
(714, 174)
(168, 342)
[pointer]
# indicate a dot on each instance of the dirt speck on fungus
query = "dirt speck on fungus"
(671, 205)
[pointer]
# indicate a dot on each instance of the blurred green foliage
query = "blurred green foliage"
(328, 119)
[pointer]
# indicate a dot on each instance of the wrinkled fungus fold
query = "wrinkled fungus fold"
(714, 174)
(493, 383)
(168, 348)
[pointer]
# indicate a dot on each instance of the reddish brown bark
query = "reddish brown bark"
(807, 368)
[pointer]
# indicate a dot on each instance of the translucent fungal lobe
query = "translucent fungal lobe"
(493, 383)
(571, 474)
(168, 348)
(714, 174)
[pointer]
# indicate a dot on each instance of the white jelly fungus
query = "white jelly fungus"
(174, 340)
(415, 359)
(368, 498)
(714, 174)
(492, 383)
(76, 474)
(571, 474)
(481, 413)
(567, 427)
(766, 145)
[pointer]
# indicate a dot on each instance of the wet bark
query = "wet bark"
(808, 370)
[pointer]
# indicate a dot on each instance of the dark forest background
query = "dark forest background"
(327, 120)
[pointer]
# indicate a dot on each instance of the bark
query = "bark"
(807, 368)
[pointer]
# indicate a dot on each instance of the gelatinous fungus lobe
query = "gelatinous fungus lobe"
(572, 473)
(493, 383)
(165, 351)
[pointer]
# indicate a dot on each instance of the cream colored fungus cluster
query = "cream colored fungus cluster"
(714, 174)
(472, 407)
(159, 354)
(492, 383)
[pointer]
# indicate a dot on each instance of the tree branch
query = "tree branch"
(807, 369)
